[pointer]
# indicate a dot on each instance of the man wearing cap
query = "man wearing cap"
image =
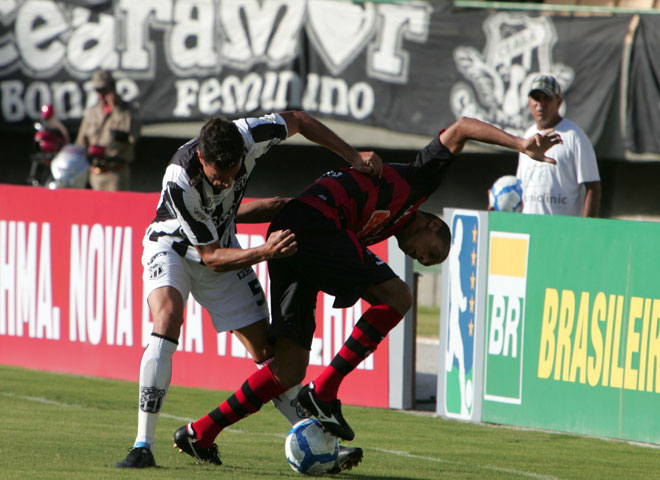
(572, 187)
(109, 132)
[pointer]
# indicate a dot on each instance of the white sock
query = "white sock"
(288, 405)
(155, 376)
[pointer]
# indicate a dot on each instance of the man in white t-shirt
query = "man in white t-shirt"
(572, 187)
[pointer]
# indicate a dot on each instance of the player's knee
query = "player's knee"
(288, 377)
(167, 323)
(393, 292)
(290, 363)
(403, 300)
(399, 296)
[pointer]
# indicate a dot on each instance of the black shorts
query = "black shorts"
(329, 259)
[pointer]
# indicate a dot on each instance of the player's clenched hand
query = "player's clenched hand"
(281, 243)
(536, 146)
(369, 163)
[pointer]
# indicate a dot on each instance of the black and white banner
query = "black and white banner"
(411, 67)
(643, 113)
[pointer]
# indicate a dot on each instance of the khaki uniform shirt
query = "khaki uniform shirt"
(117, 131)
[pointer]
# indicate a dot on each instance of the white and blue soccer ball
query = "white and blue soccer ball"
(506, 194)
(310, 449)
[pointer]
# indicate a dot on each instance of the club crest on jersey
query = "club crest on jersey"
(200, 214)
(378, 217)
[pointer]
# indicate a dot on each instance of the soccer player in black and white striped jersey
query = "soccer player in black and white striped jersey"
(191, 247)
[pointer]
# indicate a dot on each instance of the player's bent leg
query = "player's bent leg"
(390, 300)
(155, 374)
(290, 363)
(255, 339)
(287, 405)
(186, 441)
(393, 292)
(327, 412)
(166, 304)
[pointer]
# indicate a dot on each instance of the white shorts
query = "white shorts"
(233, 299)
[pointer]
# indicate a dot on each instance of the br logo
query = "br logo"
(507, 284)
(460, 324)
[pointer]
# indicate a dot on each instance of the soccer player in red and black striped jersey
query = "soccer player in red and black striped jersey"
(334, 220)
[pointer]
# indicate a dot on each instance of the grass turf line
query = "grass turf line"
(60, 426)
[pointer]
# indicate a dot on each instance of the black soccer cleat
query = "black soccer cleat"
(186, 442)
(328, 413)
(347, 458)
(139, 457)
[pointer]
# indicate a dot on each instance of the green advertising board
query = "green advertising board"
(572, 339)
(462, 318)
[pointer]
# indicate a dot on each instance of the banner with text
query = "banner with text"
(573, 325)
(411, 67)
(71, 298)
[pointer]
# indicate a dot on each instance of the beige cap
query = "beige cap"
(102, 79)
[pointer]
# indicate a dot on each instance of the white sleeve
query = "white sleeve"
(262, 133)
(185, 202)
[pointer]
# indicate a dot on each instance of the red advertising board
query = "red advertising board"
(71, 297)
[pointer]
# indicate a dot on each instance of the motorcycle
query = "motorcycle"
(59, 164)
(69, 168)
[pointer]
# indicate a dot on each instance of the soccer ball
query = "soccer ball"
(309, 448)
(506, 194)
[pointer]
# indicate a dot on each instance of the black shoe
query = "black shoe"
(347, 458)
(186, 442)
(328, 413)
(140, 457)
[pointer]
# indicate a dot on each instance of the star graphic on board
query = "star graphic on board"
(472, 280)
(473, 255)
(474, 234)
(470, 327)
(471, 304)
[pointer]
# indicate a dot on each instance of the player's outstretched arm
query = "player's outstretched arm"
(314, 131)
(466, 128)
(279, 244)
(261, 210)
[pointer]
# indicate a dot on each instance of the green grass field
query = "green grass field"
(428, 321)
(59, 426)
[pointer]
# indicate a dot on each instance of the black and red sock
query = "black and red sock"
(259, 388)
(368, 332)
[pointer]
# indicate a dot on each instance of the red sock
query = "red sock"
(259, 388)
(368, 332)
